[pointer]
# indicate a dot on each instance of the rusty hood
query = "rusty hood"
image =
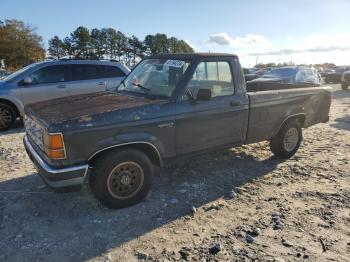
(94, 109)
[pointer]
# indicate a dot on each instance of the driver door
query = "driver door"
(217, 122)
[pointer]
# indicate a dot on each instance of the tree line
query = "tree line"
(20, 45)
(83, 43)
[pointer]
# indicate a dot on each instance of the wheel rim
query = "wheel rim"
(125, 180)
(290, 140)
(5, 117)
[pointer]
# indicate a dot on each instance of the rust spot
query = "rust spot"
(85, 118)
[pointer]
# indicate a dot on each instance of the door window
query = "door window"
(113, 71)
(216, 76)
(50, 74)
(86, 72)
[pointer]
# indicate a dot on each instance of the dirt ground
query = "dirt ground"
(292, 210)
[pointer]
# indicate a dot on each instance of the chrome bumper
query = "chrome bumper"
(56, 178)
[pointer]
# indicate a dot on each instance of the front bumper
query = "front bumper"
(56, 178)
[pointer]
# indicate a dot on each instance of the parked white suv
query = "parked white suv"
(48, 80)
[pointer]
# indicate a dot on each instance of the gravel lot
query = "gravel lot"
(291, 210)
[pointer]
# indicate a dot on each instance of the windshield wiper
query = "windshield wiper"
(146, 89)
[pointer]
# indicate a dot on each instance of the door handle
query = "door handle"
(101, 83)
(235, 103)
(61, 86)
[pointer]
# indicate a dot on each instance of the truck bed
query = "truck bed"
(268, 109)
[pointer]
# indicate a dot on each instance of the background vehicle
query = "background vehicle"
(345, 80)
(49, 80)
(253, 74)
(334, 76)
(285, 78)
(169, 106)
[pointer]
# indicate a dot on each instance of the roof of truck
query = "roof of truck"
(192, 55)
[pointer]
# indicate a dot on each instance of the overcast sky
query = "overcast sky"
(303, 31)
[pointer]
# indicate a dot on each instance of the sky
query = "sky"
(302, 31)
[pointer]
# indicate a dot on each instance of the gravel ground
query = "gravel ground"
(241, 204)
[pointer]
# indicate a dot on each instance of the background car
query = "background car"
(334, 76)
(255, 73)
(345, 80)
(55, 79)
(284, 78)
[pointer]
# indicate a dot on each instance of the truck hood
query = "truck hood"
(94, 110)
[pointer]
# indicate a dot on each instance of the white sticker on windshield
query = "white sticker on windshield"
(174, 63)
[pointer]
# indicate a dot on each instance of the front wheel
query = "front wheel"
(286, 143)
(344, 86)
(7, 117)
(121, 178)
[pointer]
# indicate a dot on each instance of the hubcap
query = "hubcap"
(5, 118)
(291, 139)
(125, 180)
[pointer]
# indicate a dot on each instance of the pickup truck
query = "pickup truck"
(169, 106)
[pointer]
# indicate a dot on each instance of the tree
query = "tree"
(81, 42)
(68, 46)
(111, 44)
(161, 43)
(56, 47)
(183, 47)
(136, 48)
(98, 42)
(150, 45)
(121, 44)
(20, 45)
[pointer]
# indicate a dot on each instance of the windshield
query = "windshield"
(17, 73)
(280, 73)
(157, 77)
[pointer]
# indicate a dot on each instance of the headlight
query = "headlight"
(54, 145)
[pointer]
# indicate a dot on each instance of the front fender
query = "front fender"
(129, 139)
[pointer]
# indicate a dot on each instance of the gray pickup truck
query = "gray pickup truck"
(169, 106)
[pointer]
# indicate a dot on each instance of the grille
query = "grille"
(34, 131)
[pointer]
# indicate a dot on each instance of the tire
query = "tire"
(283, 146)
(344, 86)
(121, 178)
(7, 116)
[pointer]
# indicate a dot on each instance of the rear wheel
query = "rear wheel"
(7, 116)
(286, 143)
(344, 86)
(122, 178)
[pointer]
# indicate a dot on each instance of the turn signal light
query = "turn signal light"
(54, 146)
(55, 154)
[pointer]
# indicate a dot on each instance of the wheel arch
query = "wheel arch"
(299, 117)
(12, 104)
(147, 148)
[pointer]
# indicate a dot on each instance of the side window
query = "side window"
(216, 76)
(113, 71)
(50, 74)
(86, 72)
(306, 76)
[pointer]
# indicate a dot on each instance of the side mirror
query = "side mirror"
(27, 81)
(204, 94)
